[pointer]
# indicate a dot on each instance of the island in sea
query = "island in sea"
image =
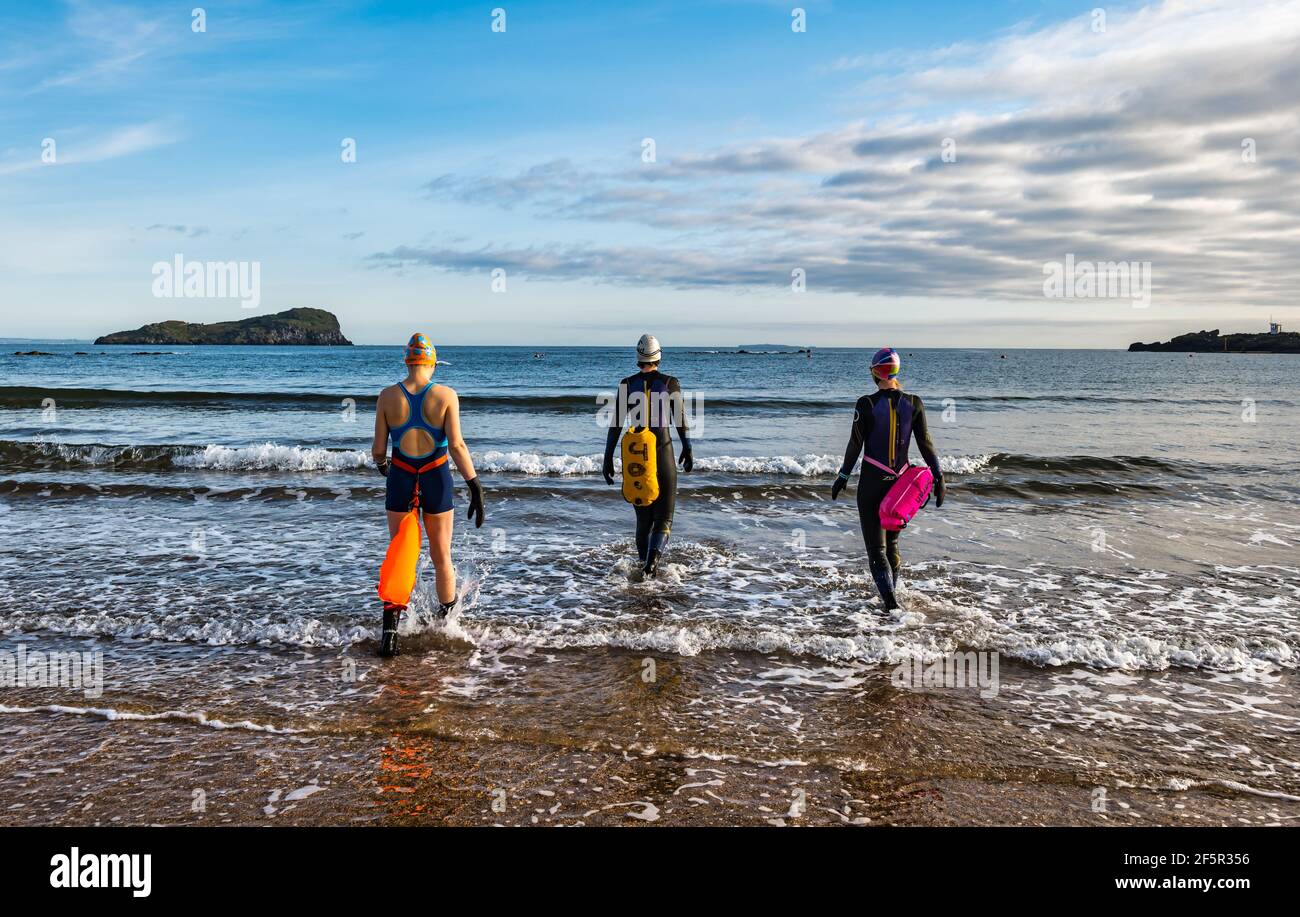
(309, 327)
(760, 350)
(1274, 341)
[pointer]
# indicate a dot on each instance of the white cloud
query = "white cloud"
(111, 41)
(1124, 145)
(124, 141)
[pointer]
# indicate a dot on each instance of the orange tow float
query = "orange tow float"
(397, 573)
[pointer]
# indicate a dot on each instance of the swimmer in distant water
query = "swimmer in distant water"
(884, 422)
(423, 421)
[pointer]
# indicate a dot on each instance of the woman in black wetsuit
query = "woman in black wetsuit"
(883, 424)
(665, 409)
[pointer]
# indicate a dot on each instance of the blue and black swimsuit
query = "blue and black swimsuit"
(431, 471)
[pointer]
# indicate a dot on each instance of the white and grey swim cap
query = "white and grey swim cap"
(647, 349)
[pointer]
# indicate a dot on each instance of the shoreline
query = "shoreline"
(588, 742)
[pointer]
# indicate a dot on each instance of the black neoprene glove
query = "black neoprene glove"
(939, 489)
(382, 467)
(608, 469)
(475, 502)
(688, 459)
(841, 482)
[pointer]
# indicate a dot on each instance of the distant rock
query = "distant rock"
(1213, 342)
(32, 353)
(304, 327)
(760, 350)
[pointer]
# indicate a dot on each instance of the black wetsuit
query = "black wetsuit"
(655, 521)
(883, 423)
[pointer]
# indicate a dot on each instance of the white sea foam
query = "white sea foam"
(559, 590)
(693, 639)
(303, 792)
(270, 456)
(199, 718)
(964, 464)
(805, 465)
(1246, 788)
(537, 463)
(1183, 784)
(1045, 622)
(1046, 618)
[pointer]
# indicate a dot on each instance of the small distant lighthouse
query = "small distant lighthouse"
(1274, 327)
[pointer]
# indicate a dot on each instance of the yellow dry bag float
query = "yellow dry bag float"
(640, 462)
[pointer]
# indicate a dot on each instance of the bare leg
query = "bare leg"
(394, 522)
(439, 529)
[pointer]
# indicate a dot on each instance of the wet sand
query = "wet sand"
(603, 737)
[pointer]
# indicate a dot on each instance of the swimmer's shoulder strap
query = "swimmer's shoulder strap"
(640, 469)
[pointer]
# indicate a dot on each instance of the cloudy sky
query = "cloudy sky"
(917, 165)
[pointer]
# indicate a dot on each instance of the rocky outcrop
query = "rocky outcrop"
(1213, 342)
(303, 327)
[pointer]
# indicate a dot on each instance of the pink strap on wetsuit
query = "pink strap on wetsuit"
(883, 467)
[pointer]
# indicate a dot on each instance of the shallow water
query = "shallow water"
(1120, 536)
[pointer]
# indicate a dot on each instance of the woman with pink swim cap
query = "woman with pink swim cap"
(884, 423)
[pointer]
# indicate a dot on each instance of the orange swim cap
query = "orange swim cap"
(420, 352)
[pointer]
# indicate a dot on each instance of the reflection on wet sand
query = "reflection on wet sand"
(604, 736)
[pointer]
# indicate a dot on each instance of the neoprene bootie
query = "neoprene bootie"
(388, 636)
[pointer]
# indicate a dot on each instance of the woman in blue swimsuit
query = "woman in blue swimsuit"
(422, 421)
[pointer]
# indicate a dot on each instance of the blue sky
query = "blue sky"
(775, 150)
